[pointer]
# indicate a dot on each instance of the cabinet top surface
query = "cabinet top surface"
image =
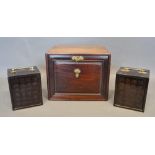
(134, 72)
(79, 50)
(23, 71)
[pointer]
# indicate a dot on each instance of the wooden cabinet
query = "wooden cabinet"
(78, 73)
(131, 88)
(25, 87)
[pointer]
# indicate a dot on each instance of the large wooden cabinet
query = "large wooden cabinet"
(78, 73)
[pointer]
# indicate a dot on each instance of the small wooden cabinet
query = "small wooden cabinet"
(25, 87)
(78, 73)
(131, 88)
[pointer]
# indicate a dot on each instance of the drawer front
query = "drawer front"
(87, 79)
(83, 77)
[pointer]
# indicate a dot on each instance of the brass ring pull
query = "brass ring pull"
(77, 72)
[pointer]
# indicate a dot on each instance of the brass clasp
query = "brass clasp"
(77, 58)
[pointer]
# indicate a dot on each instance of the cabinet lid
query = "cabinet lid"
(23, 71)
(79, 50)
(134, 72)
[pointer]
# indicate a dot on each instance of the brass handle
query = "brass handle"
(77, 58)
(13, 70)
(77, 72)
(127, 69)
(142, 71)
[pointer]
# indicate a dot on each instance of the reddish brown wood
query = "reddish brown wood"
(74, 49)
(90, 73)
(93, 81)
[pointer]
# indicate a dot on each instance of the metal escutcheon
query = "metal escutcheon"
(77, 72)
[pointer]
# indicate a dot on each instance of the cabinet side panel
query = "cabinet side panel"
(47, 74)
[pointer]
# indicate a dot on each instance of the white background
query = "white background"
(70, 136)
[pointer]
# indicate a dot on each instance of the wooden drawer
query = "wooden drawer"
(87, 79)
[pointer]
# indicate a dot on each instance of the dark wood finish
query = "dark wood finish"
(93, 81)
(25, 88)
(131, 89)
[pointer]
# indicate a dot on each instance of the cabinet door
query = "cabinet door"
(83, 77)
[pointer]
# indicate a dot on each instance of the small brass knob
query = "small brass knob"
(77, 72)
